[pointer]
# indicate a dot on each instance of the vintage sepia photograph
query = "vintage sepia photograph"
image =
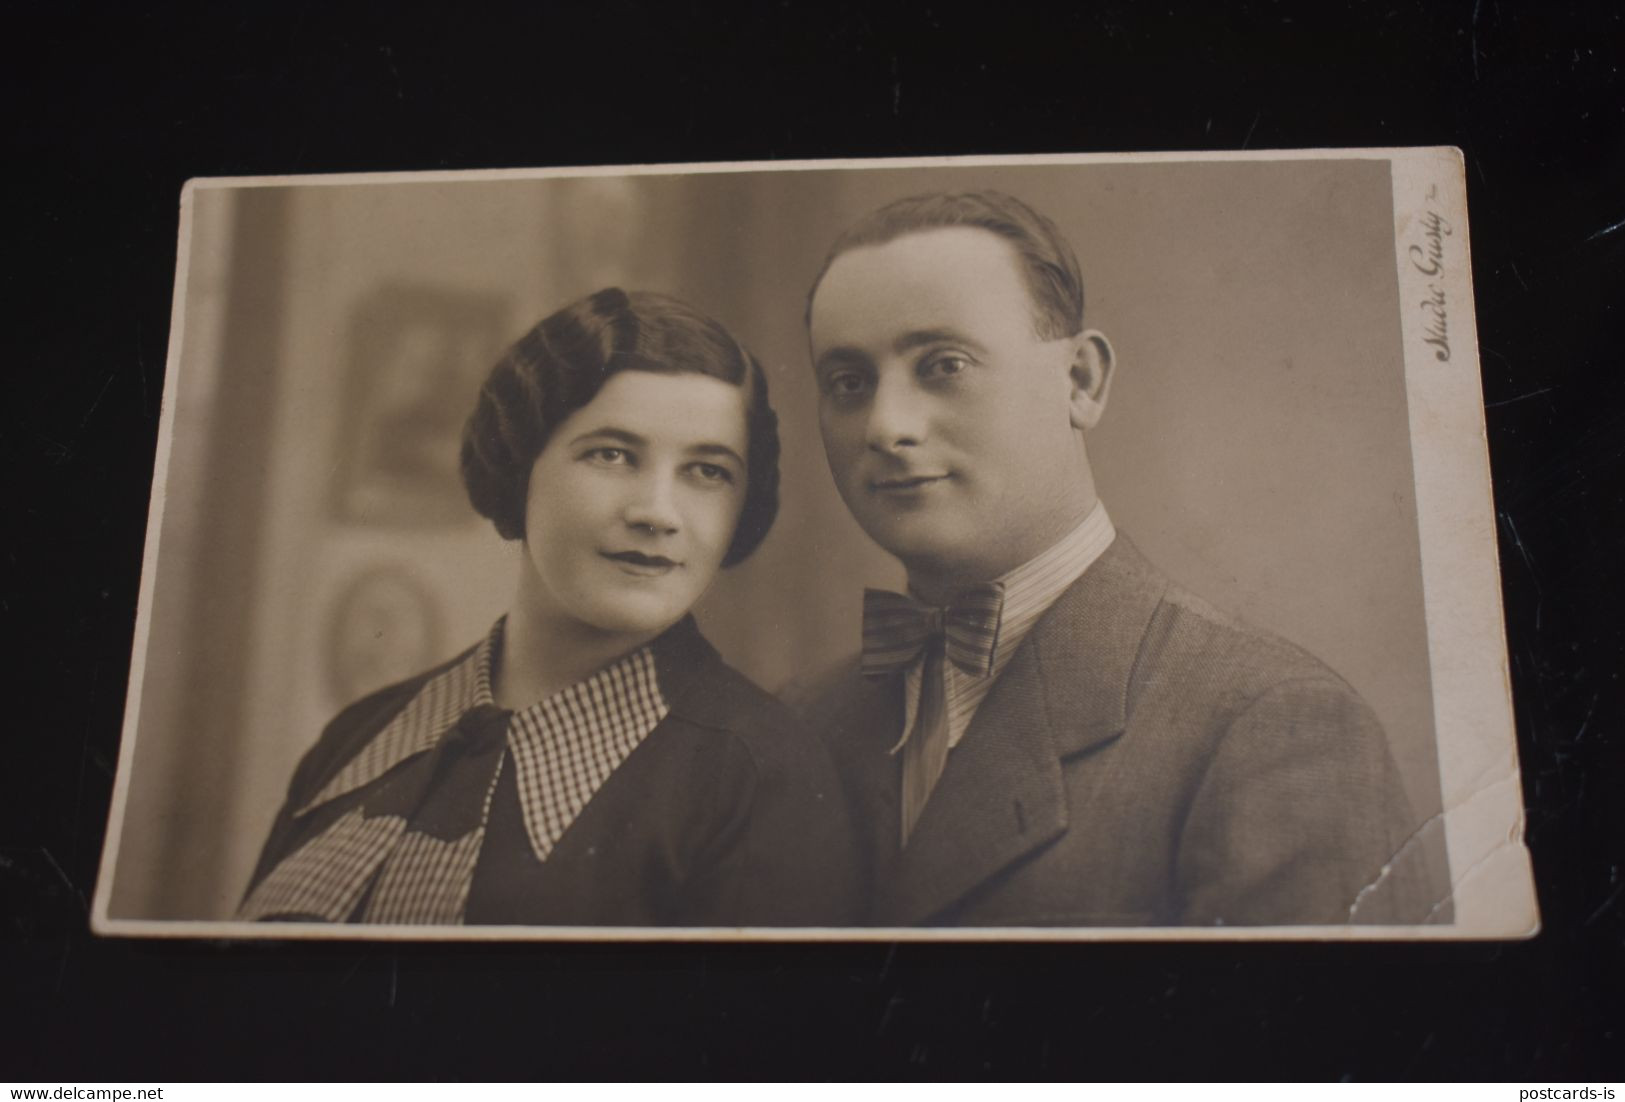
(1026, 548)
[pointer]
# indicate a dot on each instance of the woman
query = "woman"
(592, 761)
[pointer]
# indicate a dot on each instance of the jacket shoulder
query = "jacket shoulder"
(1194, 645)
(719, 699)
(824, 688)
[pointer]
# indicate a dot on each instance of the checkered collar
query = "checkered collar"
(562, 748)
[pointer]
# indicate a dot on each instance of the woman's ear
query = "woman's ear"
(1092, 365)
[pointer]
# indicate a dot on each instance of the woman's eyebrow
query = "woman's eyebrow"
(721, 450)
(620, 436)
(840, 356)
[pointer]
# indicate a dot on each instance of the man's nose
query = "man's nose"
(652, 505)
(897, 413)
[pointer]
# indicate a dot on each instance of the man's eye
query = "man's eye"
(711, 472)
(942, 367)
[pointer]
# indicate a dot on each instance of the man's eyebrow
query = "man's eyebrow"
(610, 433)
(907, 342)
(918, 338)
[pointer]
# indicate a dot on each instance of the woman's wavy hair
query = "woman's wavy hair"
(562, 363)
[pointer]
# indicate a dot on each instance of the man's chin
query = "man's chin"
(916, 541)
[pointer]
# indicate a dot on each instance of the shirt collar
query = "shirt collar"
(618, 705)
(1032, 587)
(564, 748)
(1029, 591)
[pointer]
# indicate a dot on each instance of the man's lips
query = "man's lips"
(640, 562)
(904, 483)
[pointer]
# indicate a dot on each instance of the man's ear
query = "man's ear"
(1092, 367)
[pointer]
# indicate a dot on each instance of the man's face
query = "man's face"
(946, 419)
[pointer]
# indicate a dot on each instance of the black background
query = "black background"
(109, 111)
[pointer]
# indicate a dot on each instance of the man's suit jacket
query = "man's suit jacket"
(1142, 760)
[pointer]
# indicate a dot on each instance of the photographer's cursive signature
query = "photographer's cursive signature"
(1427, 257)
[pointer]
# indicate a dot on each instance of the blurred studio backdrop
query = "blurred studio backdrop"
(315, 543)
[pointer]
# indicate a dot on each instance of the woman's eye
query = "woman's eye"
(712, 472)
(845, 384)
(610, 455)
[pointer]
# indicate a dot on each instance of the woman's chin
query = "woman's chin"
(635, 617)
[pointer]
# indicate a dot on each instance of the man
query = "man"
(1046, 731)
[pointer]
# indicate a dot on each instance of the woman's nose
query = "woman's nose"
(653, 504)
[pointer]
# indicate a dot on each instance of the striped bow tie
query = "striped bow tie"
(897, 629)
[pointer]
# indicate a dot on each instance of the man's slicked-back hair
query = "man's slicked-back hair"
(1048, 264)
(562, 364)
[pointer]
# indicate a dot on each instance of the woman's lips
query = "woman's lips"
(641, 565)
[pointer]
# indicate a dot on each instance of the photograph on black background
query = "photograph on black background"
(995, 548)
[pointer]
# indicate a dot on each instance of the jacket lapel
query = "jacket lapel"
(1088, 646)
(999, 798)
(1002, 794)
(871, 722)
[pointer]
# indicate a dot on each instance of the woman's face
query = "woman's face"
(633, 503)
